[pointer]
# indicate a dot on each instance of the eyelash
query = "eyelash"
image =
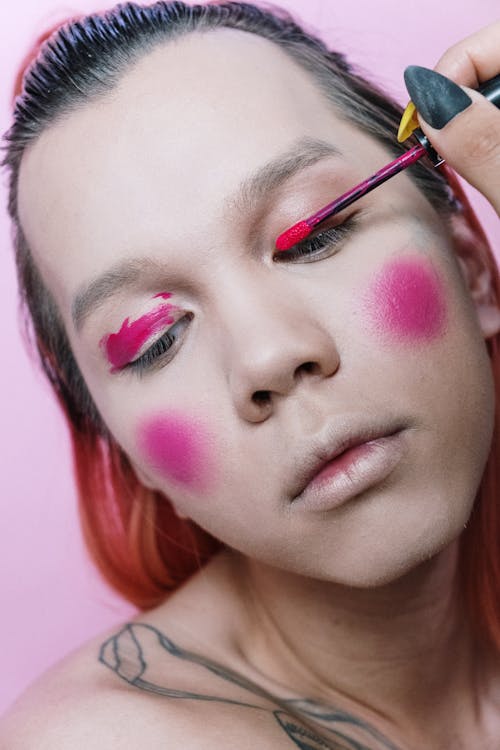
(157, 351)
(311, 247)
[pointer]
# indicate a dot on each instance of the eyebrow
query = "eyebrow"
(304, 153)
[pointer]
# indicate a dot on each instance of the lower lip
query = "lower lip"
(352, 473)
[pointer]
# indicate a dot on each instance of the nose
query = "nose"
(276, 345)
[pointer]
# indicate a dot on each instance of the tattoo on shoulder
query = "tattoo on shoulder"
(309, 724)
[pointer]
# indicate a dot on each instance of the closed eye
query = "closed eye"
(161, 350)
(319, 245)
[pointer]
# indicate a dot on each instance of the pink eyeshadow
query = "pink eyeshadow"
(177, 447)
(407, 301)
(123, 346)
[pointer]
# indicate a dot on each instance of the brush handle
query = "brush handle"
(491, 90)
(384, 174)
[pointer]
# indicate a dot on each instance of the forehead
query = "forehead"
(180, 131)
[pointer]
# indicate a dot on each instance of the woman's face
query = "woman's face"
(155, 210)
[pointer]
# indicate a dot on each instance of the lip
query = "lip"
(349, 464)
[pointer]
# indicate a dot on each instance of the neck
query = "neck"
(402, 651)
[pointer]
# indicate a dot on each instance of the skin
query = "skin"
(149, 186)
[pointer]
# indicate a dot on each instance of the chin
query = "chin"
(408, 534)
(404, 563)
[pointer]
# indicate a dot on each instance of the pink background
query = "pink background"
(52, 599)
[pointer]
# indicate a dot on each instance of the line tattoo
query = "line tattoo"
(309, 724)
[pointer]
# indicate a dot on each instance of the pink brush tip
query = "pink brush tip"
(293, 235)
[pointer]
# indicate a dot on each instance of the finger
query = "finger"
(474, 59)
(462, 126)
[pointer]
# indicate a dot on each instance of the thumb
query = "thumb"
(462, 125)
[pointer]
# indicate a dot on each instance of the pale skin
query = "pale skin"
(354, 607)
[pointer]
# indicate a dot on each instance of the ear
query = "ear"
(473, 255)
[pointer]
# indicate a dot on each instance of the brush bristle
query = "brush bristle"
(295, 234)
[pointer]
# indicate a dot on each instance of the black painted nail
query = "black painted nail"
(436, 98)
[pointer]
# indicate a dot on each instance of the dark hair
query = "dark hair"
(140, 545)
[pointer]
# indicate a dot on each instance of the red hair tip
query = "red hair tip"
(293, 235)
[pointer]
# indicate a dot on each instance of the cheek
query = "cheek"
(406, 301)
(178, 448)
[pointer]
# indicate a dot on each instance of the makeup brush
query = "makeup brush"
(409, 125)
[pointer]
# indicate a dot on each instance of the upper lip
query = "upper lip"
(334, 440)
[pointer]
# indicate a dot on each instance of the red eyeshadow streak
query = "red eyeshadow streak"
(176, 447)
(407, 300)
(122, 347)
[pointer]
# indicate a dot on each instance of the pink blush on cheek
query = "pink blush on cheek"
(407, 301)
(177, 448)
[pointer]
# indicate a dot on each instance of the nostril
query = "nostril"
(307, 367)
(261, 398)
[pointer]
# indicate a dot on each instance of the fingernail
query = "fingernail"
(436, 98)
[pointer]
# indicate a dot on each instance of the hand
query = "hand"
(462, 125)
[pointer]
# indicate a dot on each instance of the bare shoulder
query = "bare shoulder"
(48, 716)
(72, 702)
(173, 675)
(139, 686)
(143, 685)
